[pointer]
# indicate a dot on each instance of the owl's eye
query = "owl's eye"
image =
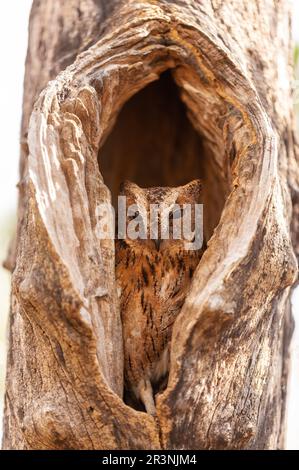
(176, 214)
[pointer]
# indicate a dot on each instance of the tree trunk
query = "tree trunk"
(116, 68)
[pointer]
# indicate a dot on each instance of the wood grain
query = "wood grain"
(231, 63)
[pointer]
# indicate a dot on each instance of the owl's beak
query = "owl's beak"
(158, 243)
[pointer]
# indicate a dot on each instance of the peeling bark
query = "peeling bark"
(232, 65)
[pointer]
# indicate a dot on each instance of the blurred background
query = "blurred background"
(14, 25)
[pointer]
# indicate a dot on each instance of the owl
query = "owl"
(153, 276)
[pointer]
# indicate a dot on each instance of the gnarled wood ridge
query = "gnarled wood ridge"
(229, 349)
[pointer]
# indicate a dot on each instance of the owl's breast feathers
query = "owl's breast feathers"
(153, 288)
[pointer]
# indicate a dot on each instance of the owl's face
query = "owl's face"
(161, 219)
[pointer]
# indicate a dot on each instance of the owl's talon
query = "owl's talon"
(147, 397)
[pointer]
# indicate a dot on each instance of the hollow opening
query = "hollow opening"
(154, 143)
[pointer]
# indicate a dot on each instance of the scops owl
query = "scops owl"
(153, 277)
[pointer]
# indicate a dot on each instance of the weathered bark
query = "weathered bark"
(231, 62)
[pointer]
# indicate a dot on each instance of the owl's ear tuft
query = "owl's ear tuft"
(193, 189)
(128, 187)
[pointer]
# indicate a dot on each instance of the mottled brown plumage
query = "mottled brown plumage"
(154, 277)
